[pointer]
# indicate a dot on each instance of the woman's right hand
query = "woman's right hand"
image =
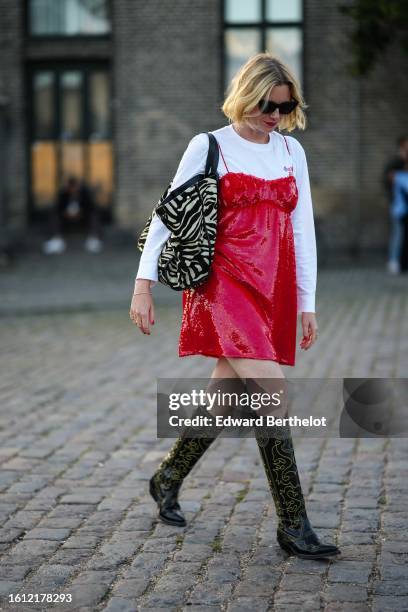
(142, 308)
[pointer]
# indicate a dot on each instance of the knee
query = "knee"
(256, 368)
(223, 369)
(268, 396)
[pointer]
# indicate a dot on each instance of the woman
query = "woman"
(263, 274)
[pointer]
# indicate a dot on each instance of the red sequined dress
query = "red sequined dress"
(247, 307)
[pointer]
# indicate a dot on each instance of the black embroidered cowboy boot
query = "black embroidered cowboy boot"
(186, 451)
(294, 532)
(166, 481)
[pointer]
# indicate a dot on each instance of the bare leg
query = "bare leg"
(223, 369)
(255, 368)
(225, 377)
(262, 375)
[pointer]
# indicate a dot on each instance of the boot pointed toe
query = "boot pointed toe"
(173, 516)
(166, 499)
(308, 551)
(304, 542)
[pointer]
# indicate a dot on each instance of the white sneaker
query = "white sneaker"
(54, 245)
(393, 267)
(93, 244)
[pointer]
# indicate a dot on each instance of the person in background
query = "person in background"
(395, 164)
(75, 204)
(399, 219)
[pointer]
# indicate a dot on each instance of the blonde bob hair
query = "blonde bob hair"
(255, 80)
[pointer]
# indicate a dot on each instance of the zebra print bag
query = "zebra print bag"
(190, 213)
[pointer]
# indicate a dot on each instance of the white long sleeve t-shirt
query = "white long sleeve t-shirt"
(269, 160)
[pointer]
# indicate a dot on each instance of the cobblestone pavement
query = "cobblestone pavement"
(78, 444)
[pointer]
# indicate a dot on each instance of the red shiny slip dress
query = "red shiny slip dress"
(247, 307)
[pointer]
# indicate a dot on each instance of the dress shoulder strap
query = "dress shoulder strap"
(286, 142)
(223, 156)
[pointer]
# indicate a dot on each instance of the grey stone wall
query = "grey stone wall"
(353, 125)
(384, 99)
(167, 84)
(12, 95)
(166, 67)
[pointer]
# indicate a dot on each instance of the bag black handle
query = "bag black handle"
(212, 156)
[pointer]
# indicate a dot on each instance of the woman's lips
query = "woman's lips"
(271, 123)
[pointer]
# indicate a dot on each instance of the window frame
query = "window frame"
(262, 26)
(30, 36)
(86, 67)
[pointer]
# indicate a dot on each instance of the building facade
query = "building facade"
(113, 90)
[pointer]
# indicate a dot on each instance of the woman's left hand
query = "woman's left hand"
(310, 330)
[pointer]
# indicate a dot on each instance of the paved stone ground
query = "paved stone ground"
(77, 446)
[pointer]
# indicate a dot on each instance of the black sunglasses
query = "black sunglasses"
(267, 106)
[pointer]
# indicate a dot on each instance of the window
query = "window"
(70, 131)
(68, 17)
(263, 25)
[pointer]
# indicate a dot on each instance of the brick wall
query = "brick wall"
(167, 75)
(166, 61)
(383, 119)
(331, 139)
(353, 125)
(12, 92)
